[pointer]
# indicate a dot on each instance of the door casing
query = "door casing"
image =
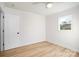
(2, 45)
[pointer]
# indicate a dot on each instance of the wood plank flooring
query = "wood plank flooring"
(41, 49)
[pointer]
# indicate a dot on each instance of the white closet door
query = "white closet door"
(11, 29)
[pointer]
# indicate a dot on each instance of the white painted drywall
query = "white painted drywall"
(68, 39)
(32, 28)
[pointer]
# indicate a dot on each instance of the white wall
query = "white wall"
(32, 27)
(68, 39)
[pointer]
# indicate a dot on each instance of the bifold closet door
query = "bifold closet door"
(11, 28)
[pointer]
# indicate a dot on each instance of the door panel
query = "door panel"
(11, 28)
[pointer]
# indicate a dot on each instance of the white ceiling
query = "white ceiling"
(40, 7)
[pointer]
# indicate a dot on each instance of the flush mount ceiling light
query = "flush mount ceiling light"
(49, 5)
(46, 4)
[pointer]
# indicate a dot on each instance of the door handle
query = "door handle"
(17, 32)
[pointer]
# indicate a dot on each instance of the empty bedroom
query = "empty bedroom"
(39, 29)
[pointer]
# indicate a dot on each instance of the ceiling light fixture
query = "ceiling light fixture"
(49, 5)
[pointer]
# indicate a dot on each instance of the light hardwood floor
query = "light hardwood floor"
(41, 49)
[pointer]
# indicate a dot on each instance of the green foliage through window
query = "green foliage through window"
(65, 22)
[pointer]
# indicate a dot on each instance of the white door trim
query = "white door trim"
(1, 30)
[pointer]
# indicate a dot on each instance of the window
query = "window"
(65, 22)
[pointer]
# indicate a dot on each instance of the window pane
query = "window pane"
(65, 22)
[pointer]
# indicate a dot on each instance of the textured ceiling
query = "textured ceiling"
(39, 8)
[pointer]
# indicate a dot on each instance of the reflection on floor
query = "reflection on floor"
(41, 49)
